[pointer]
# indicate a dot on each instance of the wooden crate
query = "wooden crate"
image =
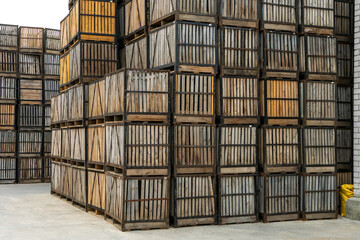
(8, 90)
(56, 143)
(319, 150)
(30, 170)
(47, 168)
(132, 96)
(279, 54)
(97, 97)
(280, 149)
(237, 100)
(317, 57)
(65, 107)
(137, 202)
(237, 199)
(30, 117)
(30, 65)
(96, 191)
(319, 196)
(279, 15)
(344, 17)
(92, 20)
(345, 58)
(52, 66)
(66, 143)
(8, 63)
(194, 149)
(31, 91)
(164, 11)
(55, 177)
(8, 37)
(47, 117)
(52, 41)
(317, 16)
(241, 13)
(184, 47)
(79, 185)
(89, 61)
(56, 109)
(344, 105)
(77, 110)
(7, 170)
(279, 197)
(344, 148)
(7, 116)
(280, 101)
(65, 69)
(31, 39)
(237, 149)
(135, 54)
(7, 143)
(193, 98)
(193, 200)
(239, 51)
(30, 143)
(138, 149)
(96, 147)
(345, 177)
(47, 142)
(77, 144)
(133, 16)
(318, 103)
(51, 89)
(66, 188)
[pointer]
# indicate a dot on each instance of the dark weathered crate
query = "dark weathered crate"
(279, 15)
(237, 149)
(137, 202)
(280, 149)
(138, 149)
(31, 39)
(345, 56)
(52, 66)
(47, 168)
(344, 19)
(241, 13)
(344, 105)
(279, 197)
(237, 199)
(8, 63)
(344, 177)
(8, 90)
(30, 117)
(237, 100)
(47, 142)
(30, 143)
(52, 41)
(30, 65)
(319, 149)
(194, 200)
(30, 169)
(47, 117)
(344, 148)
(7, 116)
(7, 170)
(8, 37)
(319, 196)
(51, 89)
(7, 143)
(239, 51)
(194, 149)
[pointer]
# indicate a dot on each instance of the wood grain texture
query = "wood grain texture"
(8, 61)
(30, 116)
(52, 64)
(52, 40)
(30, 142)
(7, 116)
(7, 142)
(96, 144)
(279, 11)
(56, 143)
(7, 169)
(318, 13)
(344, 103)
(8, 36)
(239, 9)
(8, 87)
(96, 189)
(344, 146)
(343, 14)
(30, 169)
(31, 38)
(31, 91)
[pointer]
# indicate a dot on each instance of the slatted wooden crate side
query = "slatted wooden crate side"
(79, 185)
(56, 109)
(97, 99)
(65, 106)
(276, 14)
(8, 37)
(319, 103)
(345, 61)
(65, 32)
(318, 55)
(76, 103)
(56, 143)
(280, 101)
(74, 21)
(8, 89)
(344, 178)
(194, 97)
(52, 40)
(31, 91)
(7, 169)
(239, 51)
(47, 117)
(96, 144)
(7, 142)
(137, 202)
(30, 169)
(8, 62)
(96, 190)
(280, 52)
(51, 89)
(114, 94)
(30, 143)
(134, 17)
(47, 142)
(31, 39)
(194, 148)
(30, 116)
(135, 54)
(344, 17)
(319, 196)
(7, 116)
(56, 177)
(279, 197)
(280, 149)
(237, 199)
(30, 64)
(317, 14)
(66, 188)
(236, 12)
(77, 144)
(237, 149)
(115, 147)
(52, 65)
(47, 168)
(344, 148)
(344, 103)
(319, 150)
(237, 99)
(66, 143)
(194, 200)
(65, 69)
(182, 10)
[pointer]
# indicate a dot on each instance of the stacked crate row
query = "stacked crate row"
(29, 78)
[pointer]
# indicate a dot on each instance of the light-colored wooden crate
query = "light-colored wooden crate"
(279, 15)
(8, 37)
(317, 16)
(77, 144)
(52, 41)
(96, 190)
(31, 91)
(8, 63)
(56, 143)
(7, 116)
(31, 39)
(65, 69)
(134, 13)
(79, 185)
(96, 144)
(242, 13)
(135, 54)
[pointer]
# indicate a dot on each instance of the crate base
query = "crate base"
(237, 72)
(239, 121)
(279, 74)
(287, 169)
(318, 123)
(319, 216)
(328, 169)
(137, 172)
(195, 221)
(279, 27)
(279, 218)
(190, 119)
(236, 170)
(193, 170)
(237, 220)
(30, 181)
(137, 225)
(318, 31)
(282, 122)
(238, 23)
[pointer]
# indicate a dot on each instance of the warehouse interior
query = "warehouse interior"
(183, 118)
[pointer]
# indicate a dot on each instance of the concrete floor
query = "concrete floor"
(29, 212)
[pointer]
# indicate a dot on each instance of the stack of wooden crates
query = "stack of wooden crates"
(29, 75)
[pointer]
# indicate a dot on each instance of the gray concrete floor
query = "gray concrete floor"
(29, 212)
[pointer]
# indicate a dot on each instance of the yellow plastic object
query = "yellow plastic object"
(346, 192)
